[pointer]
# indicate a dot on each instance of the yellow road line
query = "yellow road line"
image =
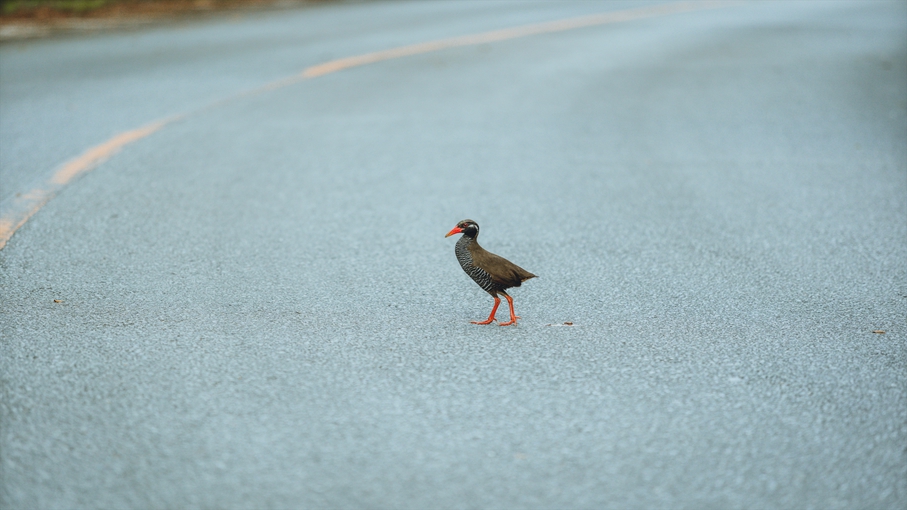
(24, 205)
(17, 210)
(92, 157)
(512, 33)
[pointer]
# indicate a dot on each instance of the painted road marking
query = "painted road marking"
(514, 33)
(15, 211)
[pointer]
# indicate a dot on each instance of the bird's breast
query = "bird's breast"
(464, 256)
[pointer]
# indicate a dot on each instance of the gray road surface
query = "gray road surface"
(259, 309)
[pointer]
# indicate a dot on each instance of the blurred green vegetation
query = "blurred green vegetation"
(73, 6)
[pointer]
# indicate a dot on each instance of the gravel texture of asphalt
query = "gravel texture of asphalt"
(256, 307)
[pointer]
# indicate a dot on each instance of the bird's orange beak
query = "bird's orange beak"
(455, 230)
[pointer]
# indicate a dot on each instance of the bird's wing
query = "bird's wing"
(502, 271)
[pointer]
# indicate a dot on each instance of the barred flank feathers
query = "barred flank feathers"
(478, 275)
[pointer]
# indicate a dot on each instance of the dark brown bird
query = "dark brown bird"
(493, 273)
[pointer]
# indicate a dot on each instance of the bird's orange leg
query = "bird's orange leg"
(513, 316)
(497, 301)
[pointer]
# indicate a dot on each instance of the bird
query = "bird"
(493, 273)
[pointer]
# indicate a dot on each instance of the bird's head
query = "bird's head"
(468, 228)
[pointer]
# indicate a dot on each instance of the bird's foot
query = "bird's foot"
(489, 321)
(512, 322)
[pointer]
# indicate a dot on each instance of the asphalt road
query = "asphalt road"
(258, 307)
